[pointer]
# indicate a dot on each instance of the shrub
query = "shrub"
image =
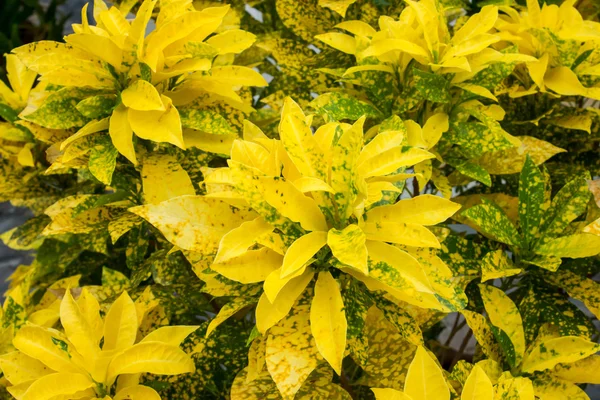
(415, 174)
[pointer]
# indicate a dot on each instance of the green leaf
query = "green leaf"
(337, 106)
(531, 200)
(492, 220)
(59, 110)
(569, 203)
(97, 107)
(432, 87)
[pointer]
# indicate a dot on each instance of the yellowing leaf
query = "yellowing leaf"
(38, 343)
(339, 41)
(328, 320)
(586, 370)
(171, 335)
(163, 178)
(348, 246)
(389, 161)
(193, 222)
(232, 41)
(59, 384)
(120, 324)
(414, 235)
(77, 328)
(250, 267)
(339, 6)
(237, 241)
(142, 95)
(158, 125)
(151, 357)
(566, 349)
(18, 367)
(572, 246)
(389, 394)
(137, 392)
(503, 313)
(235, 75)
(292, 203)
(478, 386)
(425, 379)
(425, 209)
(301, 251)
(358, 28)
(121, 133)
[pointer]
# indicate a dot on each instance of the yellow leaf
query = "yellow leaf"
(382, 142)
(100, 46)
(565, 349)
(171, 335)
(60, 384)
(158, 126)
(478, 90)
(25, 157)
(18, 367)
(358, 28)
(213, 143)
(425, 209)
(237, 241)
(383, 46)
(307, 184)
(142, 95)
(150, 357)
(268, 314)
(232, 41)
(36, 342)
(389, 394)
(504, 314)
(328, 320)
(291, 354)
(236, 75)
(389, 161)
(121, 133)
(250, 267)
(537, 70)
(348, 246)
(193, 223)
(565, 82)
(137, 392)
(339, 6)
(339, 41)
(77, 328)
(414, 235)
(292, 203)
(163, 178)
(394, 267)
(478, 386)
(300, 143)
(20, 77)
(586, 370)
(120, 324)
(425, 379)
(301, 251)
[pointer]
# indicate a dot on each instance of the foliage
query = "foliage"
(408, 166)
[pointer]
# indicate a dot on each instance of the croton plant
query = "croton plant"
(305, 199)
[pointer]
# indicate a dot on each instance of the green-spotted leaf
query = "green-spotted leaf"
(496, 264)
(401, 319)
(572, 246)
(96, 107)
(337, 106)
(492, 220)
(578, 287)
(432, 87)
(531, 200)
(550, 352)
(103, 159)
(204, 120)
(59, 110)
(482, 330)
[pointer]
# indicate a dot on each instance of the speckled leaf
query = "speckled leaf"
(348, 246)
(484, 335)
(432, 87)
(96, 107)
(578, 287)
(402, 320)
(103, 159)
(496, 264)
(569, 203)
(193, 222)
(337, 106)
(553, 388)
(356, 305)
(59, 110)
(493, 221)
(208, 121)
(229, 310)
(319, 385)
(260, 388)
(503, 313)
(531, 200)
(572, 246)
(550, 352)
(163, 178)
(389, 355)
(514, 389)
(291, 353)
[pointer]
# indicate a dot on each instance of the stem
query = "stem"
(461, 349)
